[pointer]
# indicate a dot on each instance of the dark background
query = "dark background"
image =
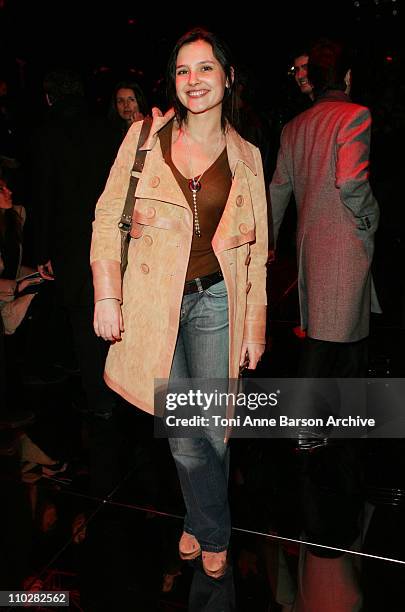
(106, 39)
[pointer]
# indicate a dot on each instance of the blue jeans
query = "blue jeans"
(202, 463)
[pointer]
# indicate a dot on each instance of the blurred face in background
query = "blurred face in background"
(127, 105)
(6, 200)
(301, 74)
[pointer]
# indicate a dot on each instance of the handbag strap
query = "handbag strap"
(126, 217)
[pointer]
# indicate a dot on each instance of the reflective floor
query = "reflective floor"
(106, 526)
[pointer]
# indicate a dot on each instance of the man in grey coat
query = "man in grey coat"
(324, 159)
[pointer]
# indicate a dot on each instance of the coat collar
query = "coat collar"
(333, 95)
(237, 148)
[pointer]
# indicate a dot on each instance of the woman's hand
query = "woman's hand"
(108, 321)
(250, 355)
(156, 112)
(21, 285)
(46, 270)
(136, 116)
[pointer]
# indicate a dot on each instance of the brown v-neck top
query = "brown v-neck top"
(211, 200)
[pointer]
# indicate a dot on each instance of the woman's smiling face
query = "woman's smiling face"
(200, 78)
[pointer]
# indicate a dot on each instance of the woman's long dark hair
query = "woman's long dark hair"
(223, 54)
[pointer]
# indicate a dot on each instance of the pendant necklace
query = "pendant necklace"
(194, 184)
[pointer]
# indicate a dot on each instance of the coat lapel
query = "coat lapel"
(157, 181)
(236, 226)
(238, 150)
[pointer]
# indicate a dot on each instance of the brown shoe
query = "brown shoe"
(214, 563)
(189, 547)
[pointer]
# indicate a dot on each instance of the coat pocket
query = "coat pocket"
(149, 217)
(245, 235)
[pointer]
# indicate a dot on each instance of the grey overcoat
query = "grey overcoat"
(324, 159)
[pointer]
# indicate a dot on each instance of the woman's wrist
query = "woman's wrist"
(108, 298)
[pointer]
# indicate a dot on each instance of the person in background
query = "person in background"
(13, 303)
(335, 207)
(324, 160)
(300, 71)
(19, 285)
(13, 284)
(128, 104)
(72, 151)
(193, 298)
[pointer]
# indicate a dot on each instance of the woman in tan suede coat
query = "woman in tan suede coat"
(193, 299)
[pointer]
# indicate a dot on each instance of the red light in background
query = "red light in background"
(389, 58)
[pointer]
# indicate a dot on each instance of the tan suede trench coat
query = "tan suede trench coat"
(159, 249)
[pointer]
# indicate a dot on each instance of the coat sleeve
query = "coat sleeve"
(352, 171)
(255, 321)
(105, 253)
(280, 191)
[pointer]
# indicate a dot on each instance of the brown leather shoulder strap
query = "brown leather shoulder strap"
(126, 217)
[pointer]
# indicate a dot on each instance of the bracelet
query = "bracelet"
(108, 298)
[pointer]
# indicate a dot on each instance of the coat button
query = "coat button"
(150, 212)
(239, 201)
(243, 228)
(247, 260)
(154, 182)
(148, 240)
(248, 286)
(145, 268)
